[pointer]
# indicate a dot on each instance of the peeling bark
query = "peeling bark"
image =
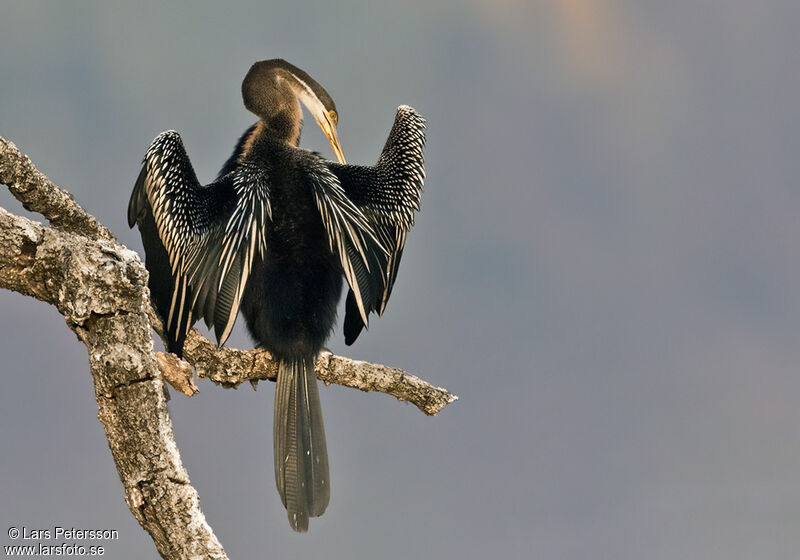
(100, 288)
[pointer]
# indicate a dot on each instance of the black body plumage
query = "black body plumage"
(272, 237)
(290, 300)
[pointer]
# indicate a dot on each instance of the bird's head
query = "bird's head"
(272, 89)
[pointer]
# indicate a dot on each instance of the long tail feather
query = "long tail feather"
(300, 452)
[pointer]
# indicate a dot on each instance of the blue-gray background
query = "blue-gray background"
(605, 270)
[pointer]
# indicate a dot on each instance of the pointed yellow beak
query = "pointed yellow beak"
(330, 133)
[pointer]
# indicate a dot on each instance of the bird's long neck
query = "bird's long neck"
(282, 126)
(285, 122)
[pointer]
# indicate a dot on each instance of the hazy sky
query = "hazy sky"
(605, 270)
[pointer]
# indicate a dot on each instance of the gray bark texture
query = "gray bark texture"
(100, 287)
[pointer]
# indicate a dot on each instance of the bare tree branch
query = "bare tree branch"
(230, 367)
(38, 194)
(100, 288)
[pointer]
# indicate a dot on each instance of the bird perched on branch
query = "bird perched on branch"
(272, 237)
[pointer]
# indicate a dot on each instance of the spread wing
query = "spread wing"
(203, 239)
(351, 235)
(387, 194)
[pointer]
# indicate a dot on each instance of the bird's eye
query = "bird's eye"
(333, 116)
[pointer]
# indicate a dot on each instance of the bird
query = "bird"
(274, 237)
